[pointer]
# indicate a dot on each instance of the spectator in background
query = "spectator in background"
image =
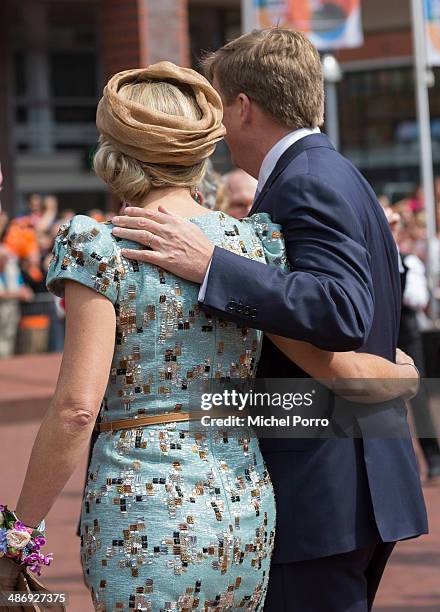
(96, 214)
(42, 211)
(437, 192)
(35, 205)
(415, 298)
(26, 235)
(12, 291)
(66, 215)
(239, 193)
(210, 189)
(45, 224)
(30, 238)
(412, 233)
(32, 270)
(48, 214)
(21, 239)
(4, 219)
(36, 317)
(417, 201)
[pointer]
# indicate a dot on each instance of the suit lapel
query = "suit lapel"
(308, 142)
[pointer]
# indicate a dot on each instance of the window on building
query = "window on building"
(56, 75)
(378, 122)
(73, 75)
(73, 81)
(211, 27)
(373, 104)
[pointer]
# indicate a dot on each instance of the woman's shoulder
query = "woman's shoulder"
(230, 233)
(271, 237)
(88, 233)
(256, 237)
(85, 251)
(257, 222)
(259, 229)
(225, 223)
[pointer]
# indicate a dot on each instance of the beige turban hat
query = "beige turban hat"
(155, 137)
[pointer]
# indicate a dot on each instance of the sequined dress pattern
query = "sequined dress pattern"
(174, 517)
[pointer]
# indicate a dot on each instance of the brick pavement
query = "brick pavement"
(411, 582)
(27, 384)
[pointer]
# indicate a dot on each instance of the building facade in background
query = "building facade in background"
(377, 108)
(55, 56)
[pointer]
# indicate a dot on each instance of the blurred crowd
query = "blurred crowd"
(407, 218)
(411, 235)
(31, 319)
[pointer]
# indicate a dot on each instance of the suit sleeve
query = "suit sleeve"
(327, 296)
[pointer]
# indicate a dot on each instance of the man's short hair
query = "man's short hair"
(279, 69)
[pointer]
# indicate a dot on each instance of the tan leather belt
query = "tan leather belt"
(160, 419)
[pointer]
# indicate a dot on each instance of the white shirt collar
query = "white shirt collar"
(272, 157)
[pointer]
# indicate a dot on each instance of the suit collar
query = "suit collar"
(272, 157)
(308, 142)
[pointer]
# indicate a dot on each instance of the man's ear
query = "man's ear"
(245, 108)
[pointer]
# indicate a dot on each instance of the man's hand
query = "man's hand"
(172, 242)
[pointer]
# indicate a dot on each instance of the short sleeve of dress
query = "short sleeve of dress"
(85, 252)
(271, 238)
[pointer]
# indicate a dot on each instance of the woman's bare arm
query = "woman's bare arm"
(68, 423)
(363, 377)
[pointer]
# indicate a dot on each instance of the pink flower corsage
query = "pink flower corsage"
(21, 543)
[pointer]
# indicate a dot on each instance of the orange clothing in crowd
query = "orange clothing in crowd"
(21, 238)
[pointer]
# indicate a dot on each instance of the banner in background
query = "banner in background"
(432, 26)
(329, 24)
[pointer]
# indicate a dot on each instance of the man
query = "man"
(341, 503)
(239, 193)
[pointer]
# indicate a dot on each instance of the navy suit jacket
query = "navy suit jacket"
(343, 293)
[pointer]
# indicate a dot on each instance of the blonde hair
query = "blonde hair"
(130, 179)
(279, 69)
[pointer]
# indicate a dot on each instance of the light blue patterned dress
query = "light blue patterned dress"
(173, 517)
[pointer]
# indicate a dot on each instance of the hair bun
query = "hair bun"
(159, 138)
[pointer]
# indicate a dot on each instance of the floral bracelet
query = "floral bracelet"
(21, 543)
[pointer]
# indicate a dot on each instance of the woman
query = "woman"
(174, 516)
